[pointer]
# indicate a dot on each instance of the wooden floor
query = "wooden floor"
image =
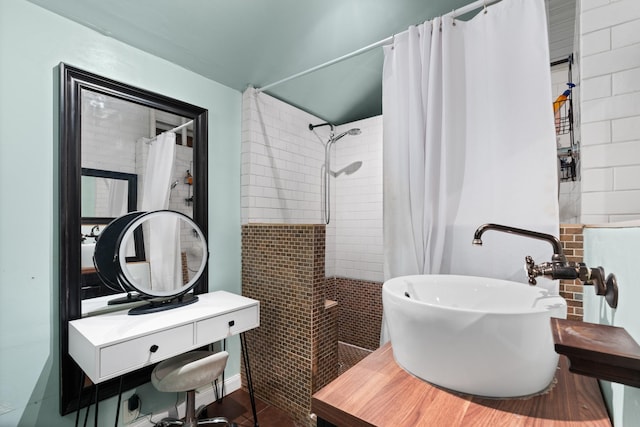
(236, 407)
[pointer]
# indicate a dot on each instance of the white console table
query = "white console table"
(113, 344)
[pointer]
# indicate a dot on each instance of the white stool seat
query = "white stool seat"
(188, 372)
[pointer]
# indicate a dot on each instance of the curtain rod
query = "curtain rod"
(175, 129)
(455, 13)
(326, 64)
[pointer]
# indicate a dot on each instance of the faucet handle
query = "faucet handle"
(584, 272)
(548, 269)
(596, 278)
(532, 270)
(607, 287)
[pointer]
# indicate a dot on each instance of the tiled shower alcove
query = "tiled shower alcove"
(294, 352)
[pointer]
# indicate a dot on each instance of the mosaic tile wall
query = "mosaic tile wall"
(359, 311)
(294, 352)
(571, 237)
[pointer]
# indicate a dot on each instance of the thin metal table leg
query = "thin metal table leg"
(119, 401)
(95, 414)
(79, 398)
(86, 414)
(247, 370)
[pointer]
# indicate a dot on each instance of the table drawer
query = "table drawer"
(223, 326)
(136, 353)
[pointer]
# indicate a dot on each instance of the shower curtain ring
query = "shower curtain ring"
(453, 17)
(485, 7)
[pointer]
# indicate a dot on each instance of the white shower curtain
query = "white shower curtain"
(469, 139)
(118, 193)
(162, 240)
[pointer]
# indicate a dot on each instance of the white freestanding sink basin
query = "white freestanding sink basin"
(86, 255)
(474, 335)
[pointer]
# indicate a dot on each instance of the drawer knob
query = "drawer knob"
(231, 323)
(153, 348)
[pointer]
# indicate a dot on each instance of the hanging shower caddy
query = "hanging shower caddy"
(564, 126)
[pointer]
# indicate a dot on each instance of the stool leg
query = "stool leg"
(190, 419)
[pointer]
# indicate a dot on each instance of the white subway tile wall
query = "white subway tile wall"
(610, 109)
(281, 162)
(112, 140)
(282, 181)
(358, 199)
(597, 87)
(110, 127)
(596, 42)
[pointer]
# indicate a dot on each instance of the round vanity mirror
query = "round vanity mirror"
(157, 257)
(105, 249)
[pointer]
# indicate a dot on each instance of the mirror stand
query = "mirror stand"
(159, 304)
(165, 275)
(131, 297)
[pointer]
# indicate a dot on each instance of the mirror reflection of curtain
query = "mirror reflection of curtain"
(162, 236)
(118, 197)
(88, 198)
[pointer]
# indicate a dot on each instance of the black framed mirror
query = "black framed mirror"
(98, 91)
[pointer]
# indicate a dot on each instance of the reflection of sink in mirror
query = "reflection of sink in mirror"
(86, 255)
(474, 335)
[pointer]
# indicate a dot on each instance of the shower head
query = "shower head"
(173, 184)
(349, 169)
(354, 131)
(353, 167)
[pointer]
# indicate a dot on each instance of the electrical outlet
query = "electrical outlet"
(130, 409)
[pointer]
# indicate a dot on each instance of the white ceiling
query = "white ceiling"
(253, 42)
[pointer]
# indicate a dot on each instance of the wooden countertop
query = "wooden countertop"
(377, 392)
(599, 351)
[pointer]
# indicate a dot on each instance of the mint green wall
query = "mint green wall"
(616, 250)
(33, 42)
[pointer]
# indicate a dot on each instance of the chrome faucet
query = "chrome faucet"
(95, 229)
(558, 254)
(558, 268)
